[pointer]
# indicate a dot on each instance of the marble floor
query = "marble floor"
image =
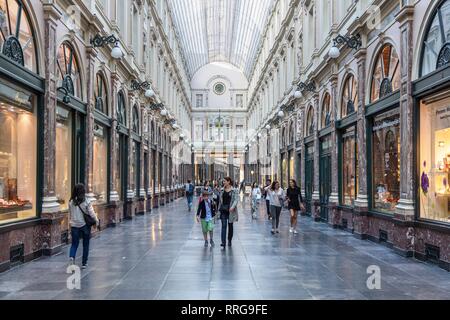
(162, 256)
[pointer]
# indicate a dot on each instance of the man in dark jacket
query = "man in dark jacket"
(206, 214)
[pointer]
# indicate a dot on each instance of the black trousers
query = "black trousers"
(268, 208)
(225, 225)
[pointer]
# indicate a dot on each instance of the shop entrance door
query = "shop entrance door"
(309, 178)
(123, 157)
(325, 177)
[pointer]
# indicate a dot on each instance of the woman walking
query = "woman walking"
(254, 198)
(82, 218)
(276, 197)
(295, 200)
(229, 198)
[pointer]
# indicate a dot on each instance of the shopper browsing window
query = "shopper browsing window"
(82, 218)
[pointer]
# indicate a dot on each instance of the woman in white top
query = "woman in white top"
(78, 207)
(254, 198)
(276, 197)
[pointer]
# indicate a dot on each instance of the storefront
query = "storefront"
(70, 126)
(309, 160)
(432, 98)
(122, 158)
(135, 165)
(21, 126)
(325, 146)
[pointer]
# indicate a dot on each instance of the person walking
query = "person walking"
(206, 214)
(254, 198)
(216, 193)
(82, 218)
(266, 198)
(189, 188)
(276, 198)
(229, 199)
(295, 204)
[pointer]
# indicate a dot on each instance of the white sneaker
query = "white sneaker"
(291, 230)
(295, 232)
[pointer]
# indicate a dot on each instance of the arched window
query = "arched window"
(68, 70)
(101, 96)
(349, 102)
(16, 36)
(326, 111)
(386, 73)
(283, 137)
(291, 133)
(310, 122)
(135, 125)
(121, 109)
(436, 46)
(152, 131)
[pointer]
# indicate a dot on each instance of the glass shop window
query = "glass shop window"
(63, 163)
(133, 168)
(349, 165)
(435, 159)
(100, 166)
(386, 161)
(17, 158)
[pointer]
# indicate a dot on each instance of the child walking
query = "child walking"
(206, 213)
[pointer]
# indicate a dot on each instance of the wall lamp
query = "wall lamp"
(353, 42)
(100, 41)
(136, 86)
(302, 87)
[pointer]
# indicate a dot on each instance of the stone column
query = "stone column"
(360, 223)
(131, 193)
(334, 196)
(405, 208)
(302, 150)
(114, 143)
(52, 14)
(89, 170)
(51, 216)
(316, 192)
(142, 191)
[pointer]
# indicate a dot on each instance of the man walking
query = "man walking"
(266, 196)
(189, 194)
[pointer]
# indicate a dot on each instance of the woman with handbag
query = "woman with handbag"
(229, 199)
(82, 219)
(295, 204)
(255, 197)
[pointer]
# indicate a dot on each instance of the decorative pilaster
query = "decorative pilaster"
(316, 192)
(114, 149)
(405, 208)
(360, 222)
(52, 15)
(334, 196)
(301, 124)
(89, 170)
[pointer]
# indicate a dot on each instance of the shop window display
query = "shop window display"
(63, 163)
(435, 159)
(350, 170)
(17, 161)
(100, 169)
(386, 161)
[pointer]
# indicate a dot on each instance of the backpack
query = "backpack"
(190, 189)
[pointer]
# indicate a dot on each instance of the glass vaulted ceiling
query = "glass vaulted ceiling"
(220, 31)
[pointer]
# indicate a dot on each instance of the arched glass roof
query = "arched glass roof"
(220, 31)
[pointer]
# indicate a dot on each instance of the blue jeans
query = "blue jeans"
(77, 233)
(190, 199)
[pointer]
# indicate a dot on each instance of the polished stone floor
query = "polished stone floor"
(161, 256)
